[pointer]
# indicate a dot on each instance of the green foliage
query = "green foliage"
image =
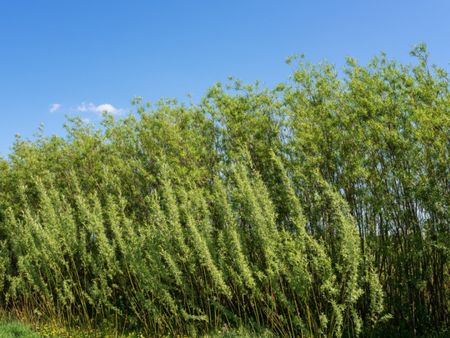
(318, 208)
(16, 330)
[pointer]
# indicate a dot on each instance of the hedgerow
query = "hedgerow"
(317, 208)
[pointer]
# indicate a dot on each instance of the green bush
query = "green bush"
(318, 208)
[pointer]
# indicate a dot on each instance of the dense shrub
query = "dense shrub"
(318, 208)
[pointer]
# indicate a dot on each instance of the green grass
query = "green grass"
(16, 330)
(241, 333)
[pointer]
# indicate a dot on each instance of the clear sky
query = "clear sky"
(78, 57)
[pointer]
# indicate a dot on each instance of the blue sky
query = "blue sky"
(77, 57)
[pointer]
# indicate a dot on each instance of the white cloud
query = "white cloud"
(54, 107)
(109, 108)
(84, 107)
(99, 109)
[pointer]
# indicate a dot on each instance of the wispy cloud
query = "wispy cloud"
(54, 107)
(99, 109)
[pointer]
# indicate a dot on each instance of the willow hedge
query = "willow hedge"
(316, 208)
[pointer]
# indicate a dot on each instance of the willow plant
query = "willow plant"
(316, 208)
